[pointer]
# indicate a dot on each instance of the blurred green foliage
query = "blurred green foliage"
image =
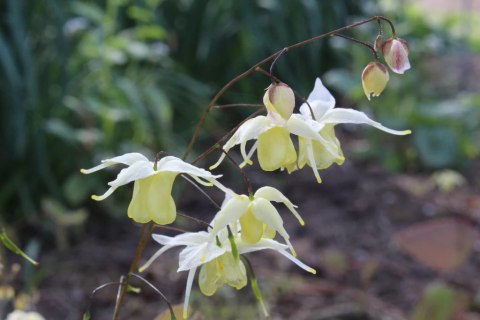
(436, 98)
(84, 80)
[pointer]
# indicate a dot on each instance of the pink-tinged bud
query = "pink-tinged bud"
(395, 52)
(374, 79)
(377, 45)
(280, 99)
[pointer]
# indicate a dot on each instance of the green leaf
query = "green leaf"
(14, 248)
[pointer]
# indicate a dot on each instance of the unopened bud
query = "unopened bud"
(395, 52)
(280, 99)
(374, 79)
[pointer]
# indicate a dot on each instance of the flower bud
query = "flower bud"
(395, 52)
(374, 79)
(280, 99)
(377, 45)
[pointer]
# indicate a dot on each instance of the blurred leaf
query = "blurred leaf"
(13, 247)
(438, 303)
(437, 146)
(441, 244)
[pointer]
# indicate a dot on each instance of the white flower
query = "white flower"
(152, 199)
(313, 152)
(213, 253)
(256, 215)
(272, 132)
(23, 315)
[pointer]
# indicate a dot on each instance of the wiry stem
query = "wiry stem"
(242, 173)
(235, 105)
(359, 42)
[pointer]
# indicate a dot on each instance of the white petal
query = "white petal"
(309, 129)
(153, 258)
(264, 243)
(296, 261)
(128, 159)
(264, 211)
(246, 159)
(191, 257)
(175, 164)
(137, 171)
(188, 290)
(184, 239)
(272, 194)
(342, 115)
(320, 99)
(231, 212)
(311, 159)
(251, 129)
(272, 245)
(194, 256)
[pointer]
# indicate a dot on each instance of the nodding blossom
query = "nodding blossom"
(213, 253)
(153, 181)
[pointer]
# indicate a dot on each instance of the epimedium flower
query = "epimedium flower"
(374, 79)
(320, 113)
(212, 252)
(273, 143)
(256, 215)
(153, 182)
(395, 51)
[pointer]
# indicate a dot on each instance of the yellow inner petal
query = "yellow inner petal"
(275, 149)
(252, 228)
(152, 199)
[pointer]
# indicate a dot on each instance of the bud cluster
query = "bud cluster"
(375, 75)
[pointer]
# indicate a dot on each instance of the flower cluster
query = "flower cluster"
(244, 223)
(314, 126)
(247, 223)
(242, 226)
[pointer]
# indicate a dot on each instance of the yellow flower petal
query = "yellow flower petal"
(275, 149)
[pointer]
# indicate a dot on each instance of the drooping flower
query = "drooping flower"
(325, 117)
(213, 253)
(395, 51)
(374, 79)
(272, 132)
(256, 215)
(153, 182)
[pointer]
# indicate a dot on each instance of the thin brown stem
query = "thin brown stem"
(244, 176)
(144, 237)
(200, 221)
(201, 190)
(275, 61)
(235, 105)
(160, 226)
(359, 42)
